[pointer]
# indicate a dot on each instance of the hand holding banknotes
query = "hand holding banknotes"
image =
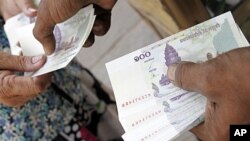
(51, 12)
(225, 81)
(17, 90)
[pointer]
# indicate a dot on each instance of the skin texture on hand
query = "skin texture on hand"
(225, 81)
(17, 90)
(51, 12)
(10, 8)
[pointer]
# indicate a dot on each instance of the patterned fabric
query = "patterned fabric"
(45, 116)
(75, 131)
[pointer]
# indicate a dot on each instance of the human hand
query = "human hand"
(225, 81)
(10, 8)
(51, 12)
(17, 90)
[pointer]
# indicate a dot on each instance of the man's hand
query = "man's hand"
(10, 8)
(17, 90)
(225, 81)
(51, 12)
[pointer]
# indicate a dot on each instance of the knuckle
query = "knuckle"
(5, 60)
(181, 73)
(5, 85)
(40, 86)
(8, 81)
(21, 62)
(3, 92)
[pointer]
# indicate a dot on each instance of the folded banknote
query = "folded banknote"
(150, 107)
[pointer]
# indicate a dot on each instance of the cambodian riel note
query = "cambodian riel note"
(70, 37)
(140, 83)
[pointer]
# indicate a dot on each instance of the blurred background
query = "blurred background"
(137, 23)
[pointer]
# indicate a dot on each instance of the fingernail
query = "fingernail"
(36, 59)
(171, 72)
(32, 10)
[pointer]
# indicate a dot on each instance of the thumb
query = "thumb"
(45, 36)
(190, 76)
(21, 63)
(28, 7)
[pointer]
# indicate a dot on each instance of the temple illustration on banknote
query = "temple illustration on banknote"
(171, 56)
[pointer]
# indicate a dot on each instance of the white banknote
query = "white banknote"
(70, 37)
(149, 106)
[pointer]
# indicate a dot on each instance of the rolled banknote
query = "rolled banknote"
(150, 107)
(69, 35)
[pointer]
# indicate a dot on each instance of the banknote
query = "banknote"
(69, 35)
(145, 95)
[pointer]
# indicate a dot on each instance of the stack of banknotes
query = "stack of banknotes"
(70, 36)
(150, 107)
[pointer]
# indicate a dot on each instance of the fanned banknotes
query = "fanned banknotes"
(69, 35)
(150, 108)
